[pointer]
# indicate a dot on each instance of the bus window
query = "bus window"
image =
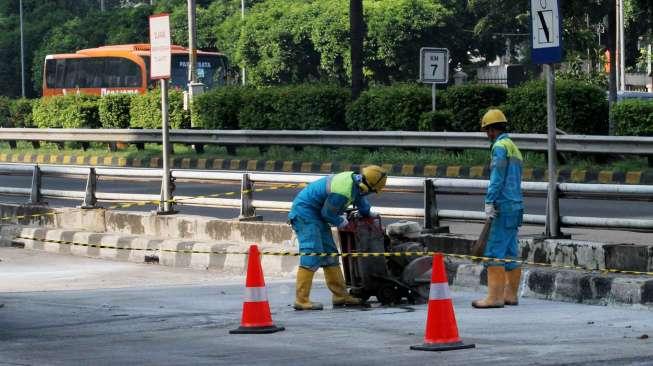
(70, 80)
(54, 73)
(93, 72)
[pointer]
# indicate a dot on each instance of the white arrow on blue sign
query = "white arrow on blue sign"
(546, 30)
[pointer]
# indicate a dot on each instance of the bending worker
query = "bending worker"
(504, 206)
(319, 204)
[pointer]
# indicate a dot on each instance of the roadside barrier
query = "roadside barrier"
(256, 317)
(157, 202)
(441, 329)
(344, 255)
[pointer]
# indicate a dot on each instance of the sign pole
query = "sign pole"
(433, 88)
(552, 218)
(160, 58)
(546, 37)
(165, 204)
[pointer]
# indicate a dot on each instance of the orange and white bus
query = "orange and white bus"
(124, 69)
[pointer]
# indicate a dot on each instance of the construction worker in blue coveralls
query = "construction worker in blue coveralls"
(319, 204)
(504, 206)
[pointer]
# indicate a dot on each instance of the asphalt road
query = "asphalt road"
(534, 205)
(95, 312)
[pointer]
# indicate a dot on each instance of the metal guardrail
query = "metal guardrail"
(248, 205)
(455, 140)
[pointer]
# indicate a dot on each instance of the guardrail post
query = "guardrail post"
(247, 210)
(90, 200)
(431, 219)
(35, 196)
(552, 224)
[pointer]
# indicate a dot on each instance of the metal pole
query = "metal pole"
(617, 45)
(22, 52)
(552, 218)
(192, 44)
(242, 18)
(433, 87)
(649, 67)
(165, 204)
(622, 47)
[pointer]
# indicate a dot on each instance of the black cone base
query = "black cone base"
(441, 347)
(257, 330)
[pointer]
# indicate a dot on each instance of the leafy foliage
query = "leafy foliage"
(5, 112)
(145, 111)
(21, 113)
(580, 108)
(114, 110)
(218, 109)
(468, 104)
(397, 107)
(306, 107)
(437, 121)
(634, 117)
(69, 111)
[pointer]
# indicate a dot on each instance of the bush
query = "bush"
(257, 112)
(70, 111)
(390, 108)
(145, 110)
(311, 107)
(218, 109)
(298, 107)
(633, 117)
(580, 108)
(114, 110)
(437, 121)
(21, 113)
(469, 102)
(5, 105)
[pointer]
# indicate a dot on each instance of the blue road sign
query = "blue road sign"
(546, 31)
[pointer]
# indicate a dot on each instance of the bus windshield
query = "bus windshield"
(211, 71)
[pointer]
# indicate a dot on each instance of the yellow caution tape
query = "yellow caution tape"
(350, 255)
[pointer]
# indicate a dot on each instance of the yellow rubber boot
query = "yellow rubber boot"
(496, 282)
(513, 278)
(303, 291)
(336, 283)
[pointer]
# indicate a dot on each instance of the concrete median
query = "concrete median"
(192, 242)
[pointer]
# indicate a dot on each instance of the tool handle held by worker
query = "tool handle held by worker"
(479, 246)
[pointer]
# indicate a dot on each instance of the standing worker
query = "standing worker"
(504, 206)
(319, 204)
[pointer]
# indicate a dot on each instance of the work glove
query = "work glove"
(344, 222)
(490, 211)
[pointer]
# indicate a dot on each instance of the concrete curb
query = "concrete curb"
(541, 283)
(290, 166)
(144, 249)
(564, 285)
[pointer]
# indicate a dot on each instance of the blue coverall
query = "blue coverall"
(504, 192)
(319, 204)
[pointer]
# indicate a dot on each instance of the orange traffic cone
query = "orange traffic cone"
(256, 309)
(441, 329)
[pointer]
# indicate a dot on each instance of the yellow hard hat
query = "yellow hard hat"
(491, 117)
(374, 178)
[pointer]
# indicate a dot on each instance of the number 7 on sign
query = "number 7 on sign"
(435, 68)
